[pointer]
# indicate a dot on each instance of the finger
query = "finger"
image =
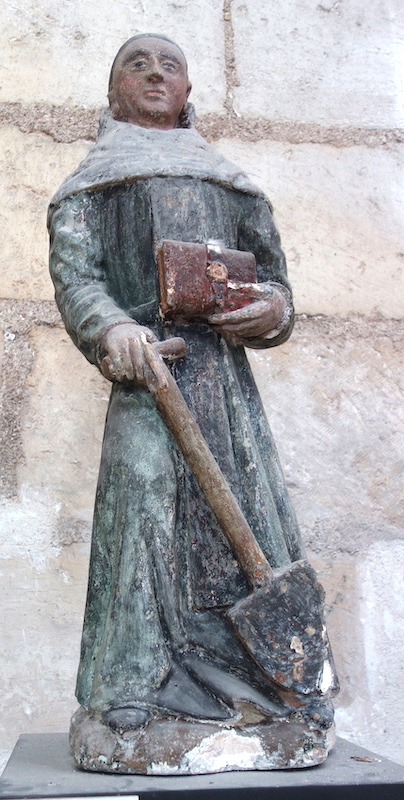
(107, 369)
(156, 365)
(137, 359)
(150, 336)
(228, 316)
(253, 291)
(171, 349)
(252, 311)
(262, 290)
(123, 361)
(245, 329)
(254, 322)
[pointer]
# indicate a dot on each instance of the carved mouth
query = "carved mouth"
(154, 93)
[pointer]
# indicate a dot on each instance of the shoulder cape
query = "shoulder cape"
(124, 153)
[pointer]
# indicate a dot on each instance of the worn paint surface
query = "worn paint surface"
(180, 747)
(332, 393)
(161, 572)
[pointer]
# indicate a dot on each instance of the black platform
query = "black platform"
(41, 766)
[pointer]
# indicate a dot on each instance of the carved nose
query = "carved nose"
(155, 72)
(155, 76)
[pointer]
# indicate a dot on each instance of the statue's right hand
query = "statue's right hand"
(124, 354)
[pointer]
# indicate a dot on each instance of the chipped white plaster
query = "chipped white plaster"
(225, 750)
(327, 677)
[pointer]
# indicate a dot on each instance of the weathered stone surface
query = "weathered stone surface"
(62, 428)
(340, 217)
(71, 123)
(334, 402)
(326, 62)
(32, 167)
(366, 626)
(176, 747)
(381, 611)
(62, 123)
(56, 37)
(17, 319)
(42, 597)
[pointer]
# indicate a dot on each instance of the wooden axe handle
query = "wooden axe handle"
(203, 465)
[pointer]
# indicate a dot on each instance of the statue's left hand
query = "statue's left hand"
(256, 320)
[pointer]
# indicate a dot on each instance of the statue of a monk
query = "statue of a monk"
(165, 684)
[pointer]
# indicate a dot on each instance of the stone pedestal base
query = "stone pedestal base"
(175, 747)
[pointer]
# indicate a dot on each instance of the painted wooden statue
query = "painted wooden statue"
(195, 656)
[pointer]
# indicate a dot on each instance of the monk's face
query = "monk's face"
(150, 84)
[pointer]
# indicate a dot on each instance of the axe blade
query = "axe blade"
(282, 626)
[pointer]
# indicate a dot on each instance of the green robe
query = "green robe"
(161, 574)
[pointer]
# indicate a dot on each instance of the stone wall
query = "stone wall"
(306, 98)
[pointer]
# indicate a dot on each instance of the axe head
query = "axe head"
(282, 625)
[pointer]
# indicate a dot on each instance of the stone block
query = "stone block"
(382, 617)
(365, 621)
(179, 747)
(32, 167)
(339, 212)
(333, 399)
(329, 63)
(42, 603)
(61, 53)
(62, 429)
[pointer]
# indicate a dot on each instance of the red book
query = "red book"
(197, 280)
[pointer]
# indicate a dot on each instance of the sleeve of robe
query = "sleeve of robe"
(257, 233)
(76, 267)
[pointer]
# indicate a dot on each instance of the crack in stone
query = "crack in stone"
(229, 58)
(68, 124)
(214, 127)
(65, 124)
